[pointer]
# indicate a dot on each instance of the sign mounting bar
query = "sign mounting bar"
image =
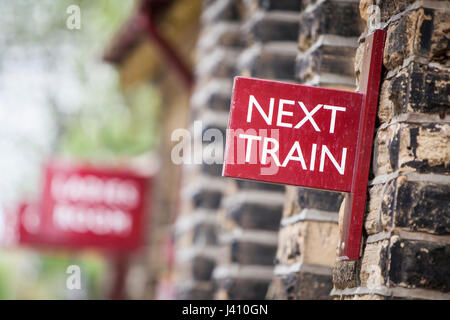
(369, 85)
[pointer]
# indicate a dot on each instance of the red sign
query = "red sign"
(292, 134)
(308, 136)
(85, 206)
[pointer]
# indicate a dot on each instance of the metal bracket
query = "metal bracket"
(369, 85)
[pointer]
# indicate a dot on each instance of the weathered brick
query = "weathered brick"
(252, 253)
(205, 234)
(388, 8)
(326, 58)
(219, 63)
(411, 147)
(291, 205)
(270, 61)
(319, 199)
(380, 207)
(302, 286)
(223, 34)
(422, 206)
(330, 17)
(255, 216)
(311, 242)
(374, 264)
(272, 26)
(252, 185)
(221, 10)
(320, 243)
(420, 264)
(214, 169)
(216, 96)
(290, 243)
(207, 199)
(422, 32)
(194, 293)
(409, 205)
(418, 88)
(202, 268)
(198, 268)
(346, 274)
(285, 5)
(244, 289)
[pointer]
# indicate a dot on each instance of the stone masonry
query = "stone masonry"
(406, 253)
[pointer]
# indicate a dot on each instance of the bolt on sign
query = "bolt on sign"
(308, 136)
(85, 206)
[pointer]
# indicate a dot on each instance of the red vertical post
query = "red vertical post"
(369, 85)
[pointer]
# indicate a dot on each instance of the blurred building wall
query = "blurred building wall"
(309, 233)
(247, 240)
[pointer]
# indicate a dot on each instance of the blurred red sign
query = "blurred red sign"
(86, 206)
(292, 134)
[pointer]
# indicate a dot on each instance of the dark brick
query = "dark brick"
(420, 88)
(289, 5)
(219, 102)
(252, 253)
(207, 199)
(271, 64)
(220, 64)
(303, 286)
(214, 169)
(422, 32)
(205, 234)
(318, 199)
(224, 34)
(245, 289)
(432, 134)
(272, 27)
(256, 216)
(423, 207)
(336, 18)
(252, 185)
(388, 8)
(194, 293)
(202, 268)
(326, 59)
(215, 11)
(420, 264)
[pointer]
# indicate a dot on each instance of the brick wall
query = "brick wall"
(406, 252)
(309, 233)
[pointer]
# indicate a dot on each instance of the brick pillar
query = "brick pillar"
(406, 253)
(251, 211)
(202, 187)
(309, 230)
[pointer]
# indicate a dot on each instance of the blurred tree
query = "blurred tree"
(56, 95)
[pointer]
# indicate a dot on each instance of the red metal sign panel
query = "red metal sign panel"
(292, 134)
(85, 206)
(311, 137)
